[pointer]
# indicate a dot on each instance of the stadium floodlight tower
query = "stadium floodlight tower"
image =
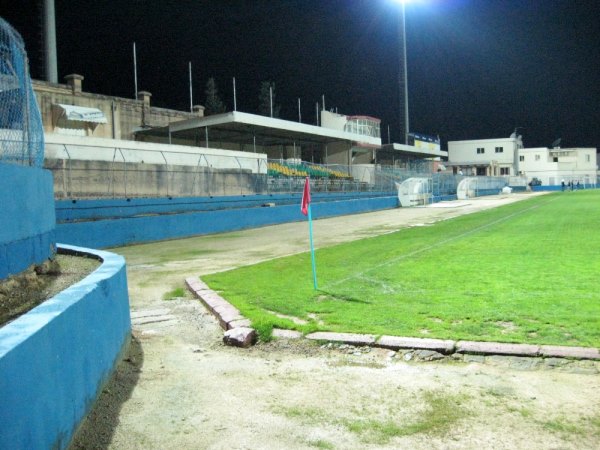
(403, 82)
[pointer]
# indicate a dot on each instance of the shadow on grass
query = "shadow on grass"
(341, 297)
(97, 429)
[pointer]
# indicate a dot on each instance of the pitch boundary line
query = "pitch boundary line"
(437, 245)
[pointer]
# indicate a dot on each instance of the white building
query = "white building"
(552, 165)
(488, 157)
(507, 157)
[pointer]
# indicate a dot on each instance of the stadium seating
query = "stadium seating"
(280, 169)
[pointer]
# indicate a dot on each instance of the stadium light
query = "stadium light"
(403, 82)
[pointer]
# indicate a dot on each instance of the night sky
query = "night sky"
(476, 68)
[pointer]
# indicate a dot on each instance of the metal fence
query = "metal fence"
(92, 171)
(21, 130)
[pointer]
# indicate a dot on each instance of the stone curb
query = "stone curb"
(497, 348)
(396, 343)
(555, 351)
(230, 318)
(238, 330)
(346, 338)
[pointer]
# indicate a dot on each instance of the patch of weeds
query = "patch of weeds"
(440, 414)
(500, 391)
(376, 431)
(561, 426)
(320, 443)
(594, 421)
(526, 413)
(264, 328)
(307, 415)
(175, 293)
(353, 363)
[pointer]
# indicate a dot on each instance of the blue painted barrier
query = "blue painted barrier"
(55, 359)
(74, 210)
(145, 228)
(27, 219)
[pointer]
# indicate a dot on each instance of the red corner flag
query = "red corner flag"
(305, 197)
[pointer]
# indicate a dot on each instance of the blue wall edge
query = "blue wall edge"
(27, 219)
(56, 358)
(116, 232)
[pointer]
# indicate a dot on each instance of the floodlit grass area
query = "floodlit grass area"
(526, 272)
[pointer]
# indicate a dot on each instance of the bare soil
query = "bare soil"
(23, 292)
(180, 387)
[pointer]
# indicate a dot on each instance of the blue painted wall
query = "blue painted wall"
(27, 218)
(145, 228)
(54, 359)
(73, 210)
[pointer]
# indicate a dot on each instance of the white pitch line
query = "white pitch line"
(436, 245)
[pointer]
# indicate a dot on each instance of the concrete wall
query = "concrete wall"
(128, 230)
(55, 359)
(27, 219)
(95, 168)
(123, 115)
(78, 210)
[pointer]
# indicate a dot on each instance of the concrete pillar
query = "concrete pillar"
(144, 96)
(74, 81)
(198, 110)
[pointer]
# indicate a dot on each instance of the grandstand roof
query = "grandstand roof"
(419, 152)
(242, 127)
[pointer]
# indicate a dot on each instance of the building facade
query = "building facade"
(485, 157)
(553, 165)
(508, 157)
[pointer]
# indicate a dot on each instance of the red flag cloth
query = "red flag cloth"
(305, 197)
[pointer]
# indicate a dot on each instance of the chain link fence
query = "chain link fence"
(21, 130)
(92, 171)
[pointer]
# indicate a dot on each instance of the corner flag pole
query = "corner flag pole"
(305, 208)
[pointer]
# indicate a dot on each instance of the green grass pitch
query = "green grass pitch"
(527, 272)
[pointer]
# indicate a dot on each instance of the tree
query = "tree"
(264, 98)
(213, 104)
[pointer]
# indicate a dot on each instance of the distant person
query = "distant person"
(577, 184)
(562, 183)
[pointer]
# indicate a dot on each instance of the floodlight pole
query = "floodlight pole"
(404, 72)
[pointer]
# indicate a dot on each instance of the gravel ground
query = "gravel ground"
(180, 387)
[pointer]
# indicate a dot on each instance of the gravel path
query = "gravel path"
(180, 387)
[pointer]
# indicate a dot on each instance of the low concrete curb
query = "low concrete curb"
(346, 338)
(398, 343)
(238, 331)
(497, 348)
(230, 319)
(553, 351)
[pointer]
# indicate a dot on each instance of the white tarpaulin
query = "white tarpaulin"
(82, 114)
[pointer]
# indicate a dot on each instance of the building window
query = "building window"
(521, 158)
(555, 159)
(587, 158)
(537, 157)
(499, 149)
(504, 171)
(480, 150)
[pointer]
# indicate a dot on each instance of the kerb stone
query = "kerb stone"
(346, 338)
(569, 352)
(396, 343)
(240, 337)
(497, 348)
(239, 323)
